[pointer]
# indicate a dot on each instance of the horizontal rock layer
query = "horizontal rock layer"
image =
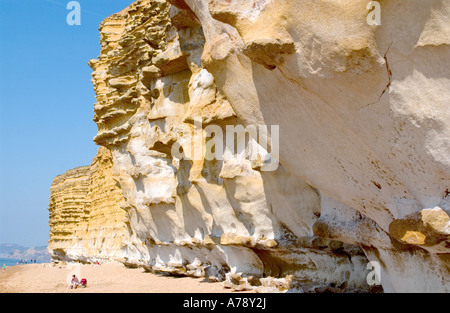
(200, 216)
(86, 221)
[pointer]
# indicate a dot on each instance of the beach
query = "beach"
(105, 278)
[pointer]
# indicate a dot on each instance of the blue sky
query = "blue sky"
(46, 106)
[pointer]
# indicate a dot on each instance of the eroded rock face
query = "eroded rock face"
(86, 221)
(363, 114)
(201, 216)
(67, 207)
(363, 141)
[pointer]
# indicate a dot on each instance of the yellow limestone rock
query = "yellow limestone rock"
(437, 219)
(199, 216)
(86, 221)
(428, 229)
(68, 201)
(363, 132)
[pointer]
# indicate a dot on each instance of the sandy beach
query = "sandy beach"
(105, 278)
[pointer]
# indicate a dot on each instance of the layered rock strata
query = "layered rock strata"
(86, 221)
(67, 207)
(203, 216)
(361, 165)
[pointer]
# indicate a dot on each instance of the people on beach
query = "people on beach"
(74, 283)
(4, 267)
(26, 261)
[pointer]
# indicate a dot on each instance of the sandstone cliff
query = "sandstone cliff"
(363, 145)
(363, 115)
(86, 221)
(67, 207)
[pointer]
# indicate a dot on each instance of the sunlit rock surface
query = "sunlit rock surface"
(363, 142)
(363, 114)
(86, 221)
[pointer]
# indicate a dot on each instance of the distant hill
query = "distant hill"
(14, 251)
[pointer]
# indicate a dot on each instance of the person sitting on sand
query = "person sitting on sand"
(74, 283)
